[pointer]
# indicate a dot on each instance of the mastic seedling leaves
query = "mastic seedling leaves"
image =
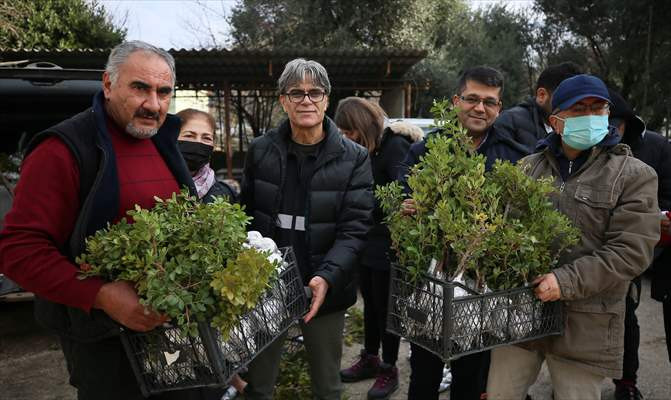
(177, 255)
(497, 227)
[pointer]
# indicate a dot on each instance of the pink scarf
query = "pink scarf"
(204, 179)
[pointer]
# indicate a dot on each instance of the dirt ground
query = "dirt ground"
(32, 367)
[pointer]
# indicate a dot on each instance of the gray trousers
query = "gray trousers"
(323, 344)
(514, 369)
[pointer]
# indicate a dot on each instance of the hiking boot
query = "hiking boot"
(385, 384)
(627, 392)
(367, 367)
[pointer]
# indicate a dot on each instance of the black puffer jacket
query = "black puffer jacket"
(654, 150)
(524, 123)
(339, 205)
(387, 162)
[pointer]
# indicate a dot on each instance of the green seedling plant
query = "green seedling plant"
(498, 228)
(186, 260)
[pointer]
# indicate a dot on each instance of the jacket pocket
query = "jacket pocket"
(593, 205)
(596, 326)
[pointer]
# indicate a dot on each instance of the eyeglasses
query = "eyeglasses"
(475, 100)
(595, 108)
(297, 96)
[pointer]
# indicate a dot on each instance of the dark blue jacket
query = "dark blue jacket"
(218, 189)
(497, 146)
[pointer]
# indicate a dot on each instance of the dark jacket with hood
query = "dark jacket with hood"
(654, 150)
(525, 123)
(611, 197)
(387, 162)
(338, 207)
(87, 137)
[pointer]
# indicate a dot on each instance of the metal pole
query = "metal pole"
(227, 129)
(408, 99)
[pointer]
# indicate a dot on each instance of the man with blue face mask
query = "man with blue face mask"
(611, 197)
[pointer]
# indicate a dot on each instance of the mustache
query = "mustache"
(142, 113)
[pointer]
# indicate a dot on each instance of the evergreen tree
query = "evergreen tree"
(57, 24)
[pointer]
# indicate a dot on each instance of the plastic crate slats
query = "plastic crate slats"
(165, 359)
(428, 315)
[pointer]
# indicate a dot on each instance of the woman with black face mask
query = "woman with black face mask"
(196, 142)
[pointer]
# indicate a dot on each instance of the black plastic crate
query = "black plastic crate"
(166, 359)
(429, 315)
(294, 342)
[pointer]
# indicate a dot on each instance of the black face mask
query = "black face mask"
(195, 154)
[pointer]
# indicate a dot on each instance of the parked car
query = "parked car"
(33, 97)
(38, 95)
(425, 124)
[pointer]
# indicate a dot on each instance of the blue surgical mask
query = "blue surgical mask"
(583, 132)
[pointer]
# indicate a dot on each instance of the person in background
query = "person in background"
(362, 121)
(308, 187)
(196, 143)
(527, 122)
(478, 102)
(654, 150)
(611, 197)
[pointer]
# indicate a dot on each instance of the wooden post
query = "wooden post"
(227, 130)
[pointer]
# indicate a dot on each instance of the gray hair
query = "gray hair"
(121, 52)
(300, 69)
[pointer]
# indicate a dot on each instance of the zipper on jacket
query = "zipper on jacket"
(563, 183)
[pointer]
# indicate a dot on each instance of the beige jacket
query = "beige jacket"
(612, 199)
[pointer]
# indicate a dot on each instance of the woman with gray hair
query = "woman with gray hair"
(308, 187)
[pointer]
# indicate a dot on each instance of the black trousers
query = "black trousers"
(101, 371)
(469, 375)
(632, 336)
(374, 286)
(666, 307)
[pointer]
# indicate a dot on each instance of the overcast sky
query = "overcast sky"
(165, 23)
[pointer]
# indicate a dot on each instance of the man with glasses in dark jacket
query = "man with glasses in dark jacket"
(308, 187)
(478, 102)
(527, 122)
(654, 150)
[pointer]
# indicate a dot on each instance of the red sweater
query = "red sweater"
(45, 209)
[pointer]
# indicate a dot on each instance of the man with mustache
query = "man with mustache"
(77, 177)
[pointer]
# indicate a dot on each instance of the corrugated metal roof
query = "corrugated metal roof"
(202, 68)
